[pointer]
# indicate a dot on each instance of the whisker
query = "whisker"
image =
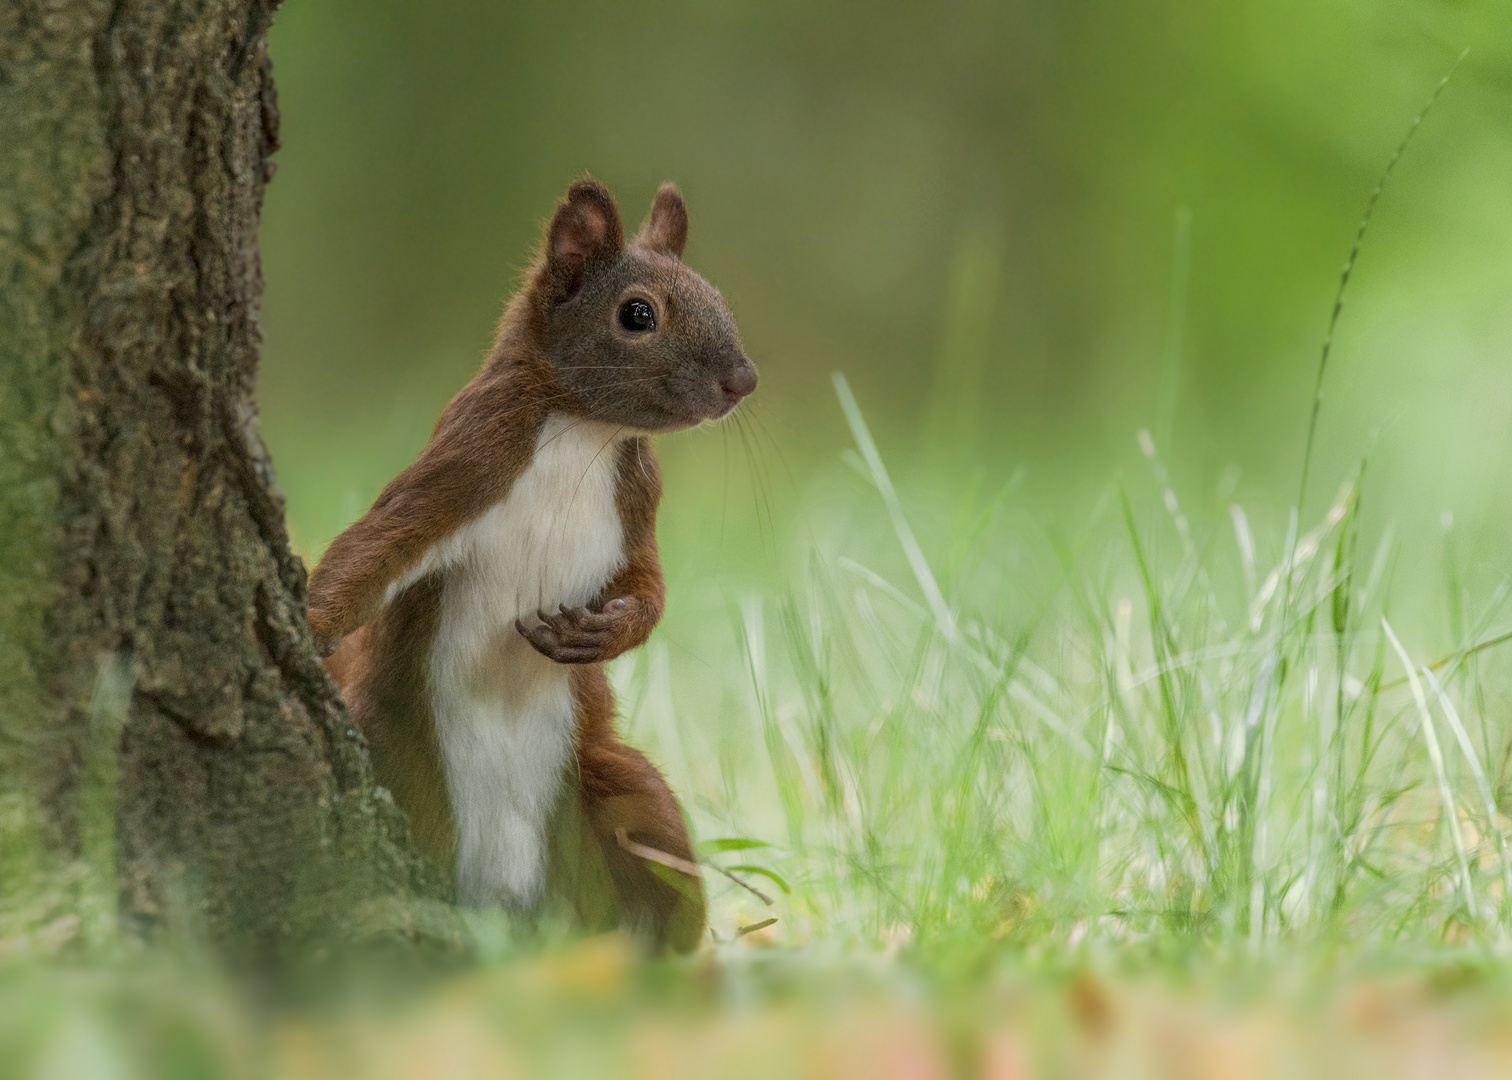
(765, 521)
(724, 494)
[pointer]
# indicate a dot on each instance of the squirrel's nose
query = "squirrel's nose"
(740, 382)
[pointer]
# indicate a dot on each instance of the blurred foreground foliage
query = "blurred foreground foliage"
(593, 1009)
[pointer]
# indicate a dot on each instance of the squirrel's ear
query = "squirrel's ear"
(666, 227)
(585, 230)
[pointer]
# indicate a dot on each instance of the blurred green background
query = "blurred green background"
(1023, 230)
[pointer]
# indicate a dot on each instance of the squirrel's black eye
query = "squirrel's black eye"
(637, 316)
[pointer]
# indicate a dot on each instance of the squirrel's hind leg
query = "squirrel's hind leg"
(621, 849)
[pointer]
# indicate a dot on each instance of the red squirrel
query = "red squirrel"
(467, 616)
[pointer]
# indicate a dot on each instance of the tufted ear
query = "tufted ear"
(586, 230)
(666, 227)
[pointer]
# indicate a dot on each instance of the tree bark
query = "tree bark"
(163, 714)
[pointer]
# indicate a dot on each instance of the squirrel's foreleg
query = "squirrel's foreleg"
(481, 444)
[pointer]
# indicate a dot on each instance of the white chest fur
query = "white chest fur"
(504, 713)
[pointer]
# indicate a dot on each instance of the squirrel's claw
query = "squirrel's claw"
(577, 635)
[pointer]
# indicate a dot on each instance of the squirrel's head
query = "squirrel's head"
(631, 335)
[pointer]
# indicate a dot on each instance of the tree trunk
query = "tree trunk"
(163, 716)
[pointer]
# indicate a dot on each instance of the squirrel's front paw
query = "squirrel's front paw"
(581, 635)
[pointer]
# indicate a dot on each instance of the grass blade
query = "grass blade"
(944, 618)
(1436, 756)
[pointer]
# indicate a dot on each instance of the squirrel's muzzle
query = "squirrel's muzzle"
(739, 382)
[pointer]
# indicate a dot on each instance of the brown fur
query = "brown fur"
(558, 349)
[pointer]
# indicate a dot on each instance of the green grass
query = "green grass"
(1174, 735)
